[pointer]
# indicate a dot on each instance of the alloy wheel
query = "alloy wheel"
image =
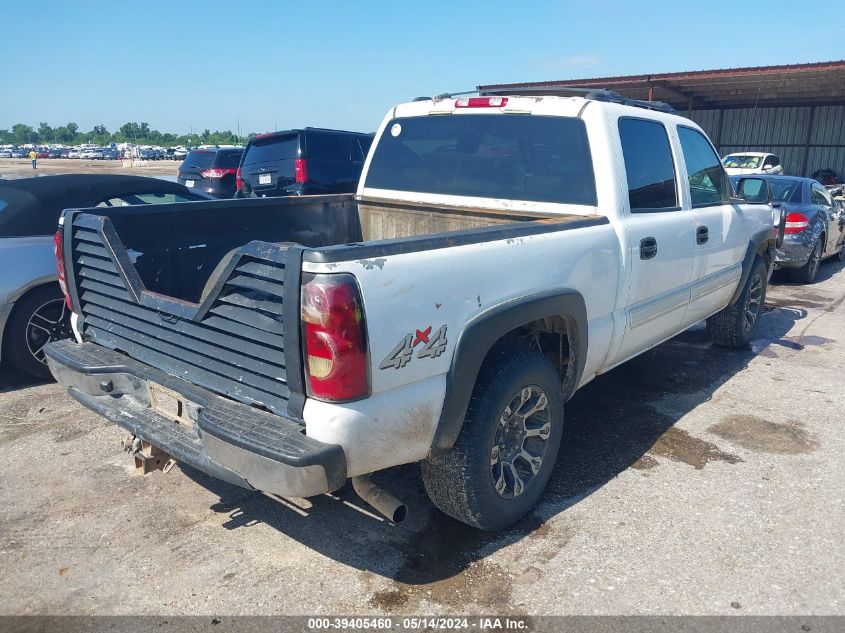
(50, 322)
(521, 442)
(753, 302)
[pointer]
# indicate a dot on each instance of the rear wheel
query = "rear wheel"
(40, 317)
(500, 464)
(807, 273)
(736, 325)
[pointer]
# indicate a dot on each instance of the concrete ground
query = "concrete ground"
(692, 480)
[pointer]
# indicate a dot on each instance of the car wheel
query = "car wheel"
(502, 460)
(736, 325)
(40, 317)
(807, 273)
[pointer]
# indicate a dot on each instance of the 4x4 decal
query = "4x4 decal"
(433, 346)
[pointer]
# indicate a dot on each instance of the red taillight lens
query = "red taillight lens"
(795, 223)
(481, 102)
(59, 251)
(334, 338)
(216, 172)
(300, 170)
(239, 184)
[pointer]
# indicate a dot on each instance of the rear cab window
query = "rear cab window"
(503, 156)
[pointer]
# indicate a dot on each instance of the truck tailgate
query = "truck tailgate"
(233, 342)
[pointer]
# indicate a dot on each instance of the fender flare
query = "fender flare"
(757, 240)
(483, 331)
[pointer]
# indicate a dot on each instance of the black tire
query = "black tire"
(27, 332)
(736, 325)
(463, 481)
(807, 273)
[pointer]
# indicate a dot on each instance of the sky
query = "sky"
(266, 65)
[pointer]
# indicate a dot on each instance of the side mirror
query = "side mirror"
(768, 166)
(755, 191)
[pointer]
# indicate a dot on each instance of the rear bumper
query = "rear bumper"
(795, 250)
(227, 440)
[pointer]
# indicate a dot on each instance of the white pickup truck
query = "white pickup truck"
(501, 251)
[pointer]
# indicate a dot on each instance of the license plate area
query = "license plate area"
(265, 179)
(170, 404)
(190, 183)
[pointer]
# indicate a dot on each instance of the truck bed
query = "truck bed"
(206, 291)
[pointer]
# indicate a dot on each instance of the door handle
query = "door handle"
(702, 234)
(648, 248)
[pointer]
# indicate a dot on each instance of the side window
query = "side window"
(648, 165)
(773, 160)
(819, 196)
(708, 181)
(332, 147)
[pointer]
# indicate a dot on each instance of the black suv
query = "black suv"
(211, 171)
(302, 162)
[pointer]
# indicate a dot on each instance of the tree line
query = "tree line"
(138, 133)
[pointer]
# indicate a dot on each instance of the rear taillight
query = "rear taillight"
(59, 251)
(795, 223)
(216, 172)
(300, 170)
(239, 184)
(481, 102)
(334, 338)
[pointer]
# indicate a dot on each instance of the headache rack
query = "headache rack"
(595, 94)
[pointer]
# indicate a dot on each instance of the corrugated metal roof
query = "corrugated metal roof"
(794, 84)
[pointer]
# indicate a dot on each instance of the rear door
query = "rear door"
(268, 166)
(196, 162)
(721, 233)
(660, 235)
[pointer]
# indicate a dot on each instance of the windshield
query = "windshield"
(272, 149)
(512, 156)
(786, 190)
(197, 159)
(742, 162)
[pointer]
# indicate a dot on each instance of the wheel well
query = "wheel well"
(555, 337)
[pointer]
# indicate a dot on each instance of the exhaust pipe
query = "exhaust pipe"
(380, 499)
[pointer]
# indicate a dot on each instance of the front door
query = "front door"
(721, 237)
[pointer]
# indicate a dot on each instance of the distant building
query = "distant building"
(795, 111)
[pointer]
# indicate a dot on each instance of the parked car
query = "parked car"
(56, 152)
(180, 153)
(300, 162)
(6, 153)
(492, 262)
(32, 309)
(814, 225)
(110, 154)
(74, 153)
(746, 163)
(212, 171)
(20, 153)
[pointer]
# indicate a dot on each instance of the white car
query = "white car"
(496, 257)
(74, 153)
(748, 163)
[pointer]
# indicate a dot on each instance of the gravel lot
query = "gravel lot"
(692, 480)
